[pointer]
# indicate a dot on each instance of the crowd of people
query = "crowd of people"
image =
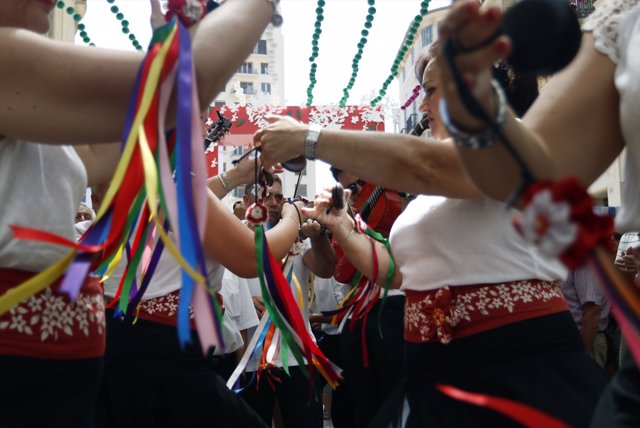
(459, 297)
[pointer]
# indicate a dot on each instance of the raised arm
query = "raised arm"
(358, 247)
(572, 128)
(60, 93)
(396, 161)
(230, 241)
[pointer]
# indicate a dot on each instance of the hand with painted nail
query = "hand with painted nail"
(469, 32)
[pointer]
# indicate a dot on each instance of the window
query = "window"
(247, 87)
(302, 190)
(264, 68)
(411, 122)
(220, 103)
(238, 192)
(427, 36)
(246, 68)
(237, 151)
(261, 48)
(265, 87)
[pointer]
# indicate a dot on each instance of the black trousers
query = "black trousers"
(342, 405)
(298, 407)
(150, 382)
(224, 365)
(48, 393)
(619, 405)
(370, 386)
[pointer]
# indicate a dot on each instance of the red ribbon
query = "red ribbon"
(527, 416)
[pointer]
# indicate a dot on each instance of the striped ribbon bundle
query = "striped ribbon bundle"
(285, 314)
(364, 292)
(159, 186)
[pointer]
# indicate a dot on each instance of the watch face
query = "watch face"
(310, 141)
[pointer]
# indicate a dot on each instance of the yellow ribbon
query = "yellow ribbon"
(147, 97)
(15, 296)
(151, 182)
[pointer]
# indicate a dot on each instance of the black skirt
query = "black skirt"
(149, 381)
(619, 405)
(539, 362)
(48, 393)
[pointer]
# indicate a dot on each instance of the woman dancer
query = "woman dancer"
(554, 139)
(50, 348)
(483, 310)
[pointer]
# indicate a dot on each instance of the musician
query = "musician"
(350, 182)
(310, 254)
(368, 386)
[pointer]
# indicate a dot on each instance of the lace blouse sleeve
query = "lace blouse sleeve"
(604, 23)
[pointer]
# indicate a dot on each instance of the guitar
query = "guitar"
(379, 207)
(421, 126)
(217, 130)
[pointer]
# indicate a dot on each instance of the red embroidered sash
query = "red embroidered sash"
(453, 312)
(49, 325)
(164, 309)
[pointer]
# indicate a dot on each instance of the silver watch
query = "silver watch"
(311, 140)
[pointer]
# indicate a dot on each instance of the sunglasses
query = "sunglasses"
(279, 197)
(355, 186)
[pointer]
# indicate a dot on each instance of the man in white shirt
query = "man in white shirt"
(239, 316)
(292, 391)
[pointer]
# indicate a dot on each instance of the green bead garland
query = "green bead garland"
(125, 25)
(315, 51)
(71, 11)
(402, 52)
(368, 23)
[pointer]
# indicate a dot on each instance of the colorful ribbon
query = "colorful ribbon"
(525, 415)
(144, 202)
(285, 313)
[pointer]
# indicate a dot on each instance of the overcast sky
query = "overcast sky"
(341, 28)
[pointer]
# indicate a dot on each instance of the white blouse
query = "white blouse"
(616, 29)
(167, 277)
(438, 241)
(41, 187)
